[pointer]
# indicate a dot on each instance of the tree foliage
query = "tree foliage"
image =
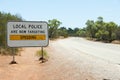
(117, 32)
(70, 31)
(53, 28)
(62, 31)
(98, 30)
(91, 28)
(105, 31)
(4, 18)
(82, 32)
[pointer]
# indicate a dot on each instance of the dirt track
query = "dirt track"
(64, 63)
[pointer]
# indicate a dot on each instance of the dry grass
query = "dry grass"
(116, 41)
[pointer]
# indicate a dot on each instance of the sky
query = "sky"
(72, 13)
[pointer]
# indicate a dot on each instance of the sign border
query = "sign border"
(27, 21)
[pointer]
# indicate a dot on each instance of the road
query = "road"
(69, 59)
(99, 59)
(110, 52)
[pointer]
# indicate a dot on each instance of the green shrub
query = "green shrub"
(39, 53)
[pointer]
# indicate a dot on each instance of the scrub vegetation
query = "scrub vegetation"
(45, 54)
(98, 30)
(4, 18)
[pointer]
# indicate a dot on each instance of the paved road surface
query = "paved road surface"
(69, 59)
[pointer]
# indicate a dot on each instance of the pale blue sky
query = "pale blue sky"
(72, 13)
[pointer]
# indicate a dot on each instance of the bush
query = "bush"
(8, 51)
(39, 54)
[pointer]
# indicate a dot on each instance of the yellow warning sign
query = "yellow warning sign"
(27, 37)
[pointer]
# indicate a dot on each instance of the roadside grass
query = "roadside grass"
(94, 39)
(8, 51)
(45, 54)
(116, 42)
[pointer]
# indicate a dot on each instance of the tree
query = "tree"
(111, 28)
(75, 30)
(100, 23)
(91, 28)
(4, 18)
(63, 32)
(117, 32)
(53, 28)
(100, 19)
(82, 32)
(70, 31)
(101, 33)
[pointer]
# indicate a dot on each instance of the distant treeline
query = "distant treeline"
(56, 31)
(97, 30)
(100, 30)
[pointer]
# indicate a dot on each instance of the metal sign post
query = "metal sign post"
(42, 55)
(13, 61)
